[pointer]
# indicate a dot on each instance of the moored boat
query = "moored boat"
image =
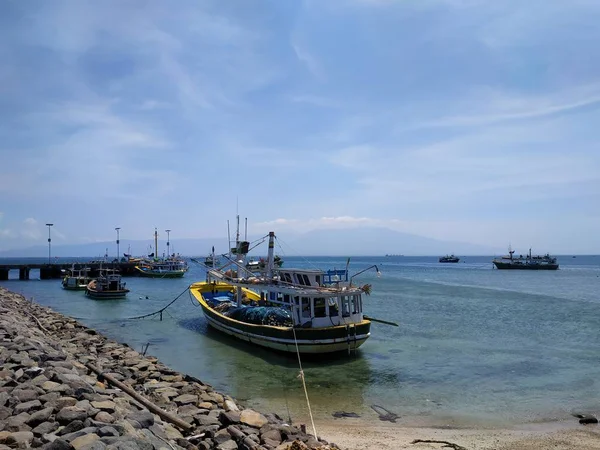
(261, 264)
(290, 310)
(108, 285)
(171, 267)
(527, 262)
(76, 279)
(449, 259)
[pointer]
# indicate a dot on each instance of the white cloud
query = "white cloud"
(30, 221)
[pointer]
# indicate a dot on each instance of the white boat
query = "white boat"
(76, 279)
(303, 310)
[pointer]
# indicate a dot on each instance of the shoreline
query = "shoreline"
(348, 433)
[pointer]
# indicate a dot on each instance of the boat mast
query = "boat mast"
(155, 243)
(270, 259)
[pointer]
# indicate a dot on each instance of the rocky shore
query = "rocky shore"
(63, 386)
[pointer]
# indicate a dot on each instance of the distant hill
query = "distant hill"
(352, 242)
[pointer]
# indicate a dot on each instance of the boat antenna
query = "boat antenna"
(155, 243)
(246, 229)
(228, 238)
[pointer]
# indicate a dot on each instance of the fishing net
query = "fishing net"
(262, 315)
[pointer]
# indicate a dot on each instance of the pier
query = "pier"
(57, 270)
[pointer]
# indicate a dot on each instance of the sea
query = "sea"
(474, 346)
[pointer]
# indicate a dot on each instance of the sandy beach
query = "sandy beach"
(355, 434)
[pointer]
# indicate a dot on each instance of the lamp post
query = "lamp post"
(118, 252)
(168, 252)
(49, 241)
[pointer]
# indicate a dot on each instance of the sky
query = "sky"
(462, 120)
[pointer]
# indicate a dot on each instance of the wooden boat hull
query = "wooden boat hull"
(106, 295)
(332, 339)
(511, 266)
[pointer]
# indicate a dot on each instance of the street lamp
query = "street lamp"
(118, 252)
(168, 252)
(49, 240)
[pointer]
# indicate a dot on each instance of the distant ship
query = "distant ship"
(527, 262)
(449, 259)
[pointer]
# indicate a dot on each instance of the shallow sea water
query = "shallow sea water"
(475, 346)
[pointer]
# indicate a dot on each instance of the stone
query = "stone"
(63, 402)
(141, 419)
(187, 410)
(19, 439)
(107, 431)
(186, 398)
(229, 417)
(206, 405)
(229, 405)
(24, 395)
(84, 431)
(45, 428)
(227, 445)
(271, 435)
(72, 427)
(18, 423)
(69, 414)
(5, 413)
(206, 420)
(85, 440)
(49, 386)
(27, 406)
(40, 416)
(221, 436)
(96, 445)
(107, 406)
(105, 417)
(253, 418)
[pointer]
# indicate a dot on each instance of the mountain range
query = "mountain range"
(325, 242)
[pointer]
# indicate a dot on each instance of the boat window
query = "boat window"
(354, 304)
(305, 307)
(320, 307)
(333, 306)
(345, 305)
(318, 279)
(287, 278)
(306, 280)
(286, 298)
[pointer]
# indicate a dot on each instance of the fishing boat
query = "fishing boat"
(212, 259)
(108, 285)
(527, 262)
(76, 279)
(261, 264)
(289, 310)
(171, 267)
(449, 259)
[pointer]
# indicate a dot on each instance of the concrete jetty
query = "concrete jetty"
(63, 386)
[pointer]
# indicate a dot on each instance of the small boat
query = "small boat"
(261, 264)
(289, 310)
(170, 267)
(76, 279)
(212, 259)
(527, 262)
(108, 285)
(449, 259)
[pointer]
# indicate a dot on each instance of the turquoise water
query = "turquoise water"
(474, 345)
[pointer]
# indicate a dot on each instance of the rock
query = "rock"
(5, 413)
(107, 406)
(96, 445)
(19, 439)
(85, 440)
(229, 417)
(27, 406)
(206, 420)
(229, 405)
(588, 419)
(59, 444)
(105, 417)
(18, 423)
(63, 402)
(228, 445)
(84, 431)
(221, 436)
(39, 417)
(69, 414)
(72, 427)
(186, 399)
(253, 418)
(206, 405)
(271, 435)
(23, 395)
(107, 431)
(49, 386)
(141, 419)
(45, 428)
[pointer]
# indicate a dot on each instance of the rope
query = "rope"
(160, 311)
(304, 385)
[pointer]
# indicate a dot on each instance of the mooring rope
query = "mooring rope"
(304, 385)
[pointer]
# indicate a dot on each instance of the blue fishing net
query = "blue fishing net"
(262, 315)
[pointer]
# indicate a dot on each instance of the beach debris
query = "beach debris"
(446, 443)
(586, 419)
(386, 415)
(341, 414)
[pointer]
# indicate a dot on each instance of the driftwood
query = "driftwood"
(388, 416)
(239, 436)
(147, 403)
(446, 443)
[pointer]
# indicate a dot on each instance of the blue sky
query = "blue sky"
(460, 120)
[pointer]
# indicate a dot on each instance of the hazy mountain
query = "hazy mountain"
(342, 242)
